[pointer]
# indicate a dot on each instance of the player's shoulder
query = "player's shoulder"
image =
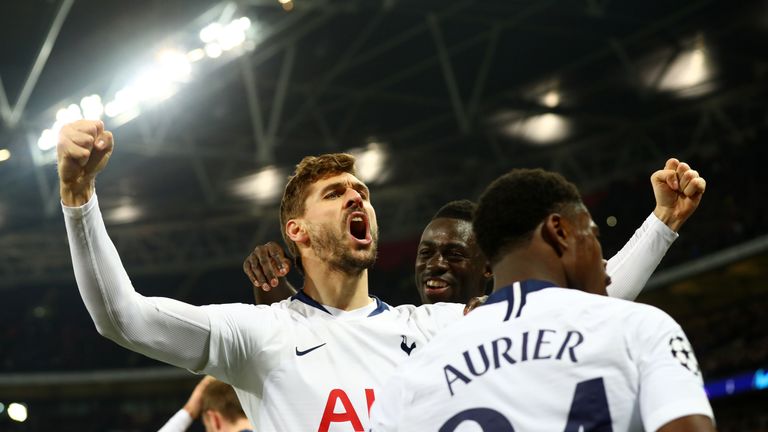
(430, 310)
(246, 309)
(633, 317)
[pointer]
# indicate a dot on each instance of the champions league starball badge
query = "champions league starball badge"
(681, 350)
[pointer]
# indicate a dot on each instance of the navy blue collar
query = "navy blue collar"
(515, 295)
(304, 298)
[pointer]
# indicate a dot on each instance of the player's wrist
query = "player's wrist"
(76, 193)
(669, 217)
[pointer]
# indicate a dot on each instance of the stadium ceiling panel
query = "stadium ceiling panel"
(436, 97)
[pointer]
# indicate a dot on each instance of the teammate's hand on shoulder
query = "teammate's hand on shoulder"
(266, 265)
(474, 302)
(678, 190)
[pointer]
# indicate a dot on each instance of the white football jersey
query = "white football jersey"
(299, 366)
(542, 358)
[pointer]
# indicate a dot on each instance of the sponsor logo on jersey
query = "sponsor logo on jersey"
(305, 352)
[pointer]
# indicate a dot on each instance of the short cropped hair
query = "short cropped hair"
(459, 209)
(221, 397)
(308, 171)
(513, 205)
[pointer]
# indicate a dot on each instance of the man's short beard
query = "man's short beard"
(338, 256)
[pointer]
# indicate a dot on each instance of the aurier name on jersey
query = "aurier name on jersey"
(545, 344)
(537, 357)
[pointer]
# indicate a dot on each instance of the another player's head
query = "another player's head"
(221, 411)
(326, 214)
(532, 224)
(450, 267)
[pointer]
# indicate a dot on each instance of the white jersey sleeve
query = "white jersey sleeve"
(164, 329)
(386, 413)
(243, 333)
(633, 265)
(180, 422)
(671, 385)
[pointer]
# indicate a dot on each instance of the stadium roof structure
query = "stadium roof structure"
(437, 97)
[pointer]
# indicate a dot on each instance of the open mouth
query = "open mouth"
(435, 286)
(434, 283)
(358, 227)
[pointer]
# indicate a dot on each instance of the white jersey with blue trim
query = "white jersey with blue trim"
(542, 358)
(299, 366)
(295, 365)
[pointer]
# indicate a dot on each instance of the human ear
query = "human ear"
(296, 232)
(554, 231)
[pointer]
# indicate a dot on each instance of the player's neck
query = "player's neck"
(336, 289)
(239, 425)
(523, 265)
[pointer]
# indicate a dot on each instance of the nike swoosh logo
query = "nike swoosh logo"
(301, 353)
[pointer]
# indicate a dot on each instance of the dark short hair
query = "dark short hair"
(308, 171)
(221, 397)
(459, 209)
(513, 205)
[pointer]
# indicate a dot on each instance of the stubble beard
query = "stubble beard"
(326, 243)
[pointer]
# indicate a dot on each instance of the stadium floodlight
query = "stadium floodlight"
(196, 54)
(370, 161)
(157, 81)
(539, 129)
(264, 186)
(689, 69)
(17, 412)
(210, 32)
(92, 107)
(551, 99)
(213, 50)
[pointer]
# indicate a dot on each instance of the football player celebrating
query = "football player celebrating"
(313, 362)
(548, 350)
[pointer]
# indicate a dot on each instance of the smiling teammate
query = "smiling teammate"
(450, 267)
(538, 357)
(313, 362)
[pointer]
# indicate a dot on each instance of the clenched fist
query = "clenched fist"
(83, 150)
(678, 190)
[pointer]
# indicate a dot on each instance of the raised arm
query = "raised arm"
(678, 190)
(164, 329)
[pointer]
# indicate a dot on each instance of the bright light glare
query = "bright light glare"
(175, 65)
(47, 140)
(92, 107)
(219, 38)
(69, 114)
(5, 154)
(231, 36)
(551, 99)
(210, 32)
(243, 23)
(17, 412)
(264, 186)
(370, 162)
(540, 129)
(126, 212)
(689, 69)
(196, 54)
(213, 50)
